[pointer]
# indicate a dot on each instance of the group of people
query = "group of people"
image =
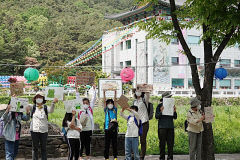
(78, 127)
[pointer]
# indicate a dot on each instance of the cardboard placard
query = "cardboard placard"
(18, 104)
(123, 102)
(85, 78)
(54, 92)
(209, 117)
(145, 87)
(72, 105)
(16, 89)
(168, 104)
(111, 84)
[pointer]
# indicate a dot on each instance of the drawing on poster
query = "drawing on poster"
(123, 102)
(168, 104)
(18, 104)
(209, 117)
(145, 87)
(72, 105)
(54, 92)
(115, 84)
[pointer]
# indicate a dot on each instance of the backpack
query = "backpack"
(140, 126)
(1, 127)
(64, 134)
(34, 109)
(149, 109)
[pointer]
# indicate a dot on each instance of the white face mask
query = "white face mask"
(39, 100)
(138, 94)
(85, 106)
(199, 107)
(110, 106)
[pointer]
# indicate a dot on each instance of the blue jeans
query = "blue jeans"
(131, 145)
(11, 149)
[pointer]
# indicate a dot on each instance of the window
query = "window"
(128, 44)
(193, 39)
(177, 83)
(190, 84)
(121, 46)
(174, 41)
(225, 62)
(198, 61)
(128, 63)
(225, 84)
(121, 65)
(237, 63)
(175, 60)
(237, 83)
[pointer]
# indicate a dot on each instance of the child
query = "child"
(73, 127)
(131, 137)
(110, 125)
(86, 119)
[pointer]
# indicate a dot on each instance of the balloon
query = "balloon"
(31, 74)
(220, 73)
(127, 74)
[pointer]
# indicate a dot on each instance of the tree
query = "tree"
(219, 22)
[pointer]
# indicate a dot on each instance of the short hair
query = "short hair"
(134, 108)
(39, 96)
(86, 99)
(109, 101)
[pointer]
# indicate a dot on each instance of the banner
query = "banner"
(18, 104)
(123, 102)
(16, 89)
(54, 92)
(168, 104)
(209, 117)
(145, 87)
(85, 78)
(115, 84)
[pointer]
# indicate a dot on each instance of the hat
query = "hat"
(3, 106)
(166, 95)
(194, 102)
(40, 93)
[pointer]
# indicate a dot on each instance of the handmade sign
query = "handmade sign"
(111, 84)
(85, 78)
(168, 104)
(54, 92)
(209, 117)
(123, 102)
(18, 104)
(145, 87)
(16, 89)
(72, 105)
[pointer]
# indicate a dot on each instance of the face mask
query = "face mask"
(110, 106)
(199, 107)
(85, 106)
(39, 100)
(138, 94)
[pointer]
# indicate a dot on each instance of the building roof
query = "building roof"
(139, 10)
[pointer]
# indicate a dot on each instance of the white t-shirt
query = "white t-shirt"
(72, 133)
(142, 110)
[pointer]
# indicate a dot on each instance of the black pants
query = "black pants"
(166, 135)
(110, 136)
(74, 147)
(85, 137)
(39, 138)
(143, 140)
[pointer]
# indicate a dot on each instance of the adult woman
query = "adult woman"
(12, 130)
(141, 101)
(195, 129)
(39, 124)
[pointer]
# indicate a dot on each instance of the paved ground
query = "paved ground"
(177, 157)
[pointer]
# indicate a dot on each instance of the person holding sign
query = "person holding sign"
(141, 101)
(12, 130)
(73, 128)
(39, 124)
(110, 125)
(165, 127)
(195, 129)
(86, 118)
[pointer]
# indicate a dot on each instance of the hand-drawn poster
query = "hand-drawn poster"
(117, 83)
(85, 78)
(123, 102)
(145, 87)
(54, 92)
(72, 105)
(209, 117)
(18, 104)
(16, 89)
(168, 104)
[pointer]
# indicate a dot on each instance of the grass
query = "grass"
(226, 128)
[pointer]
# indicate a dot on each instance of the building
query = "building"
(160, 64)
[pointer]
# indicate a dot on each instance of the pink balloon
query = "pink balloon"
(127, 74)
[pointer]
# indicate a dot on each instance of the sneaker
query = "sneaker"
(115, 158)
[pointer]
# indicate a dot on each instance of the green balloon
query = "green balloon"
(31, 74)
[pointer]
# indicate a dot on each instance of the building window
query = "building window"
(121, 65)
(198, 61)
(177, 83)
(190, 84)
(174, 41)
(128, 63)
(193, 39)
(225, 84)
(121, 46)
(237, 63)
(175, 60)
(225, 62)
(128, 44)
(237, 83)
